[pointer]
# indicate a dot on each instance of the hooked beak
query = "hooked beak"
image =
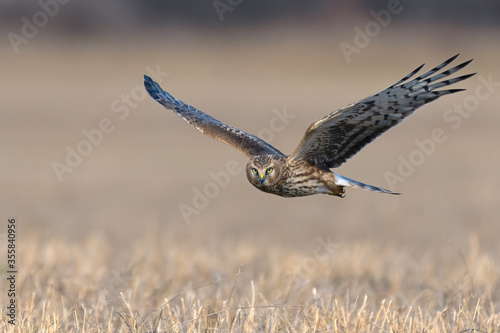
(261, 177)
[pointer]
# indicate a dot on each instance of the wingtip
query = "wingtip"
(156, 92)
(453, 91)
(464, 64)
(454, 57)
(468, 75)
(457, 55)
(419, 68)
(468, 61)
(149, 84)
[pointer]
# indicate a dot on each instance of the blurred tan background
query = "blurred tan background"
(82, 62)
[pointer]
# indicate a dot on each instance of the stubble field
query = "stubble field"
(138, 235)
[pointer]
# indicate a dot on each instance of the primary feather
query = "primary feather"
(248, 144)
(335, 138)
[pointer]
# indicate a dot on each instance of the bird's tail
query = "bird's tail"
(347, 182)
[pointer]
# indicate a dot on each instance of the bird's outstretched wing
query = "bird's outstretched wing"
(335, 138)
(248, 144)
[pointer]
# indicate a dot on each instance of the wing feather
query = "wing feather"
(246, 143)
(337, 137)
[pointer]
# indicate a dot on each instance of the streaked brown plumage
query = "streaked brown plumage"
(327, 143)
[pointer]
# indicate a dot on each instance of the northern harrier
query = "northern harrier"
(327, 143)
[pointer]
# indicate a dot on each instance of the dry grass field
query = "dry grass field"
(162, 284)
(105, 246)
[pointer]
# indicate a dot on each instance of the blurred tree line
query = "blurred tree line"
(81, 16)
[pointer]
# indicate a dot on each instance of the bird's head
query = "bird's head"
(264, 170)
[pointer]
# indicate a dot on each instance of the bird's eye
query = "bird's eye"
(254, 170)
(269, 170)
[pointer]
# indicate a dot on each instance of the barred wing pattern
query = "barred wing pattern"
(335, 138)
(248, 144)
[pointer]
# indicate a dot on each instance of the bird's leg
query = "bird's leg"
(339, 192)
